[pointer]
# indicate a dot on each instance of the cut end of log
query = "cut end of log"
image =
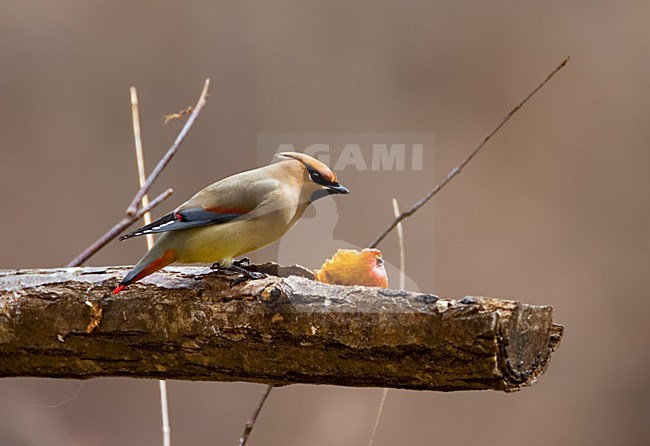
(529, 338)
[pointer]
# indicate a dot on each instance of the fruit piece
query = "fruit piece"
(351, 267)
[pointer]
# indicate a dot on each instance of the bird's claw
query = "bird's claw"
(244, 261)
(236, 268)
(257, 276)
(246, 273)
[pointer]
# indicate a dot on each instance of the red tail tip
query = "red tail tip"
(118, 289)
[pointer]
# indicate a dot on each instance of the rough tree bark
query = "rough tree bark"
(194, 324)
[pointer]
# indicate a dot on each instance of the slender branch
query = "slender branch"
(384, 394)
(434, 191)
(133, 213)
(164, 409)
(23, 398)
(460, 167)
(251, 423)
(402, 254)
(117, 229)
(171, 152)
(402, 285)
(139, 155)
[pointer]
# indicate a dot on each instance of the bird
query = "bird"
(236, 215)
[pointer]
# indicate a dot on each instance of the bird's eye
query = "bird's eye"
(315, 176)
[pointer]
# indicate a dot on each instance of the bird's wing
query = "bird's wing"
(219, 203)
(185, 219)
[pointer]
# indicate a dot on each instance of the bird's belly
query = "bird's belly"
(221, 243)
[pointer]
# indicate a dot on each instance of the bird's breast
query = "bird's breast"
(223, 242)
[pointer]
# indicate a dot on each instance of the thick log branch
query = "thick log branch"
(194, 324)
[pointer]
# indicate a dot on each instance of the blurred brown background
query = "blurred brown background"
(554, 211)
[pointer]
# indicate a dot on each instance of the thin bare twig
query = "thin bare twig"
(418, 205)
(402, 286)
(134, 212)
(384, 394)
(171, 152)
(117, 229)
(460, 167)
(256, 412)
(139, 155)
(402, 255)
(24, 399)
(164, 409)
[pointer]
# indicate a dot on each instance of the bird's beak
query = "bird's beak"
(338, 189)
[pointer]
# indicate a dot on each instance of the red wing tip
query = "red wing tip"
(118, 289)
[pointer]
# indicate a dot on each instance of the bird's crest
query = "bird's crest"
(311, 164)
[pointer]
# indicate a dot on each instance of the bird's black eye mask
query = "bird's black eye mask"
(317, 178)
(330, 187)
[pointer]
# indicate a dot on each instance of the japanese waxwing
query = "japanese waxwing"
(236, 215)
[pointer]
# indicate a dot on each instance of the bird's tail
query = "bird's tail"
(150, 263)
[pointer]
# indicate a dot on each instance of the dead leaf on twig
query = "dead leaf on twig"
(178, 115)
